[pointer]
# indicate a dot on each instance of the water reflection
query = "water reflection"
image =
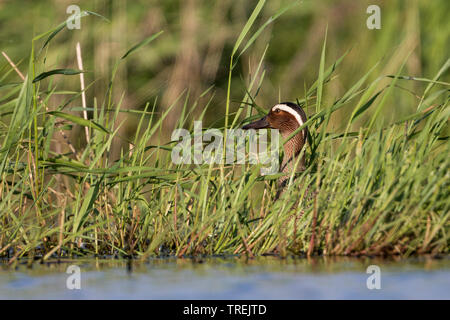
(230, 278)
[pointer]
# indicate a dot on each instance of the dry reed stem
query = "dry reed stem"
(83, 93)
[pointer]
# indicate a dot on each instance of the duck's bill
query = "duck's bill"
(259, 124)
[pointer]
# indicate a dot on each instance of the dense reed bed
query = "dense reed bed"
(369, 189)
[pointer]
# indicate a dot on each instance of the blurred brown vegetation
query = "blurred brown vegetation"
(193, 53)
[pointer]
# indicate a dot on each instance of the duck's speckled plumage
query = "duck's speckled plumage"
(286, 117)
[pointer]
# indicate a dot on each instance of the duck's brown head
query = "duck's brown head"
(285, 116)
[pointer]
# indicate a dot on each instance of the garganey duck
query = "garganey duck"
(286, 117)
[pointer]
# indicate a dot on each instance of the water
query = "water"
(231, 278)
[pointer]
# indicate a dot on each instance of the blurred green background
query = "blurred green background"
(193, 52)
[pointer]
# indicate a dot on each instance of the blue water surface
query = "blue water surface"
(230, 278)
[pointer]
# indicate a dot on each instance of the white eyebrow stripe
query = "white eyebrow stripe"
(291, 111)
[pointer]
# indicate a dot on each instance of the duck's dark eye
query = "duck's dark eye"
(276, 110)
